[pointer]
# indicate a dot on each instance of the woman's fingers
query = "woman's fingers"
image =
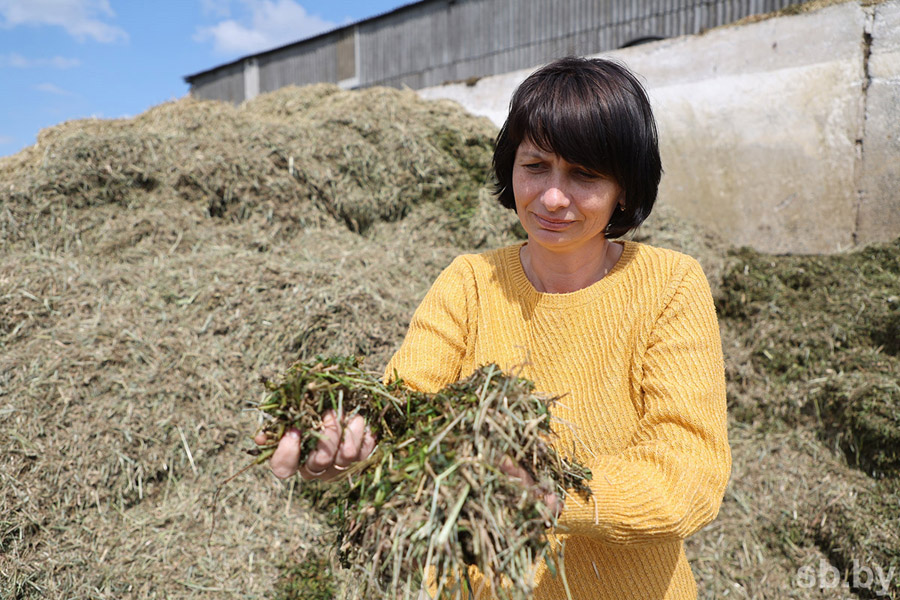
(368, 444)
(287, 455)
(515, 470)
(553, 504)
(351, 444)
(322, 458)
(337, 449)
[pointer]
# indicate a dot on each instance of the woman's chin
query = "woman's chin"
(548, 239)
(561, 241)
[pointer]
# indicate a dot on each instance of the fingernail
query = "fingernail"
(293, 434)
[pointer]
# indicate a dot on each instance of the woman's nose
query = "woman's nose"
(554, 196)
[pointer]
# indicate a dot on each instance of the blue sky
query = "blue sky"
(72, 59)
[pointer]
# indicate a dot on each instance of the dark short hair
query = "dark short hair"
(591, 112)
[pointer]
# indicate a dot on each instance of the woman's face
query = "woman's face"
(562, 206)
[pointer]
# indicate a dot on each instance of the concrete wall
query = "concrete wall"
(783, 134)
(879, 173)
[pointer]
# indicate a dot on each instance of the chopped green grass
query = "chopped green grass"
(432, 493)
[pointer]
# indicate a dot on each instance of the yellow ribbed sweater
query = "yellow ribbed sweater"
(638, 357)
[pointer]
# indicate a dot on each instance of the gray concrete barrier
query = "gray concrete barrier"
(782, 134)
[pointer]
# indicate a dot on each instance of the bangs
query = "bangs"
(567, 123)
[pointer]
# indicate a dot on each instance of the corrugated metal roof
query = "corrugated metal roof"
(190, 78)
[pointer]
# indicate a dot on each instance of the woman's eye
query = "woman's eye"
(587, 174)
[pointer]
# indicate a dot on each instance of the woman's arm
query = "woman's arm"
(440, 334)
(669, 481)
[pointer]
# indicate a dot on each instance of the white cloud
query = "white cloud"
(271, 23)
(5, 139)
(51, 88)
(82, 19)
(22, 62)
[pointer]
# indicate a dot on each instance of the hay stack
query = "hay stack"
(134, 315)
(432, 493)
(310, 156)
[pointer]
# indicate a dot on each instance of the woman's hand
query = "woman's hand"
(341, 445)
(515, 470)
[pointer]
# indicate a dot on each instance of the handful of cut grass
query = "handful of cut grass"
(432, 494)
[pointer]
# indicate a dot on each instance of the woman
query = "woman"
(627, 333)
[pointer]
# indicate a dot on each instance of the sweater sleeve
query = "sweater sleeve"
(669, 481)
(440, 333)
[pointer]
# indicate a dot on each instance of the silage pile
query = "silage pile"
(300, 156)
(814, 388)
(151, 268)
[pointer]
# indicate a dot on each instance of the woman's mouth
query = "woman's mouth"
(552, 224)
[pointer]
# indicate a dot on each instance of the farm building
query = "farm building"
(432, 42)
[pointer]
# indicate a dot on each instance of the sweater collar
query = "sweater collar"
(526, 290)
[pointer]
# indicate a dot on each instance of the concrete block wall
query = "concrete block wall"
(879, 174)
(781, 134)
